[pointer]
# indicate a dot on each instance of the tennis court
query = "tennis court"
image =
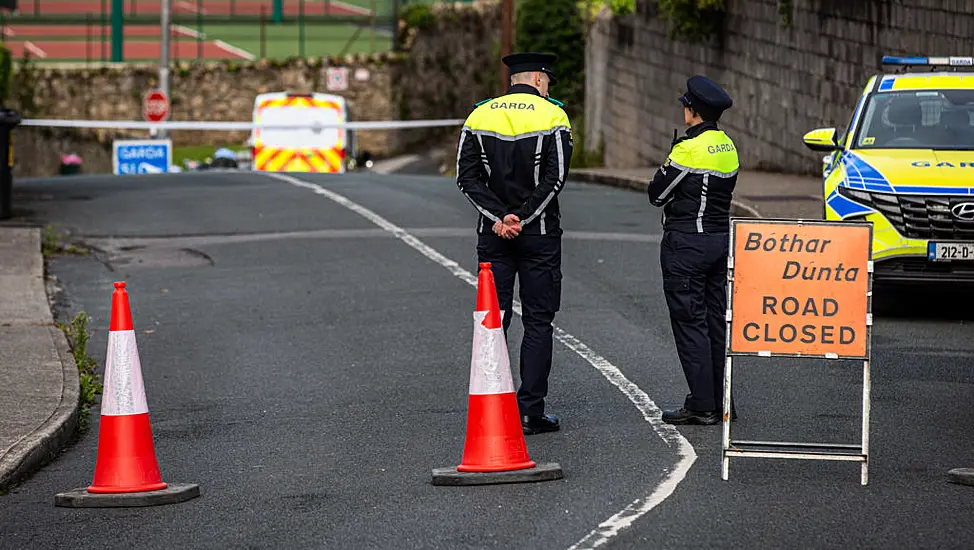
(204, 7)
(50, 31)
(133, 51)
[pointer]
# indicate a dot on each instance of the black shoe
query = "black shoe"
(685, 416)
(538, 424)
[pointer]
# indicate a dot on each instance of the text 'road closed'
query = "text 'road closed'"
(800, 289)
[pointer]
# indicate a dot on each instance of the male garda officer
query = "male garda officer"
(694, 187)
(512, 162)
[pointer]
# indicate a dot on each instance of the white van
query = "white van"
(327, 150)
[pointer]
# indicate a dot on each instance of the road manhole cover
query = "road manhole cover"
(158, 257)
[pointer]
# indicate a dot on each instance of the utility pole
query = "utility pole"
(165, 23)
(507, 32)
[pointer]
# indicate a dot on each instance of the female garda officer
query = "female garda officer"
(694, 187)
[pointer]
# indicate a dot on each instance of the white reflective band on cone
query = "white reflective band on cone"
(124, 392)
(490, 365)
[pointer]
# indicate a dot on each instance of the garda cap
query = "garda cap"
(531, 62)
(706, 97)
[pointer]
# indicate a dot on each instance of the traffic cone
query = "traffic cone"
(126, 459)
(495, 450)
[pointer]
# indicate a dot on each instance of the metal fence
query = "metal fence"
(58, 30)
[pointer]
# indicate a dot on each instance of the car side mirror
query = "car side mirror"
(822, 139)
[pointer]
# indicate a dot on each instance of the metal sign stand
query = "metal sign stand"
(785, 449)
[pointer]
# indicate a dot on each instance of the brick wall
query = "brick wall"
(784, 81)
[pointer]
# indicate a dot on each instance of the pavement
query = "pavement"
(39, 401)
(308, 368)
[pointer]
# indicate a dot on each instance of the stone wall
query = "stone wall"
(444, 68)
(784, 81)
(450, 65)
(203, 92)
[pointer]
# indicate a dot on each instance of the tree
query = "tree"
(556, 26)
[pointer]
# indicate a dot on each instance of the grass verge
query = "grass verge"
(77, 332)
(91, 385)
(199, 153)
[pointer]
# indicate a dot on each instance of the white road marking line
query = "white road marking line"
(239, 52)
(651, 413)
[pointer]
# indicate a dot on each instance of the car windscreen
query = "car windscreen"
(301, 137)
(924, 119)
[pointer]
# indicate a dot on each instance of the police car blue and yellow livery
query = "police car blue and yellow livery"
(905, 163)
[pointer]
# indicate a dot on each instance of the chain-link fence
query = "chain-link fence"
(86, 30)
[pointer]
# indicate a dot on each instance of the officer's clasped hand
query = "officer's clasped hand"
(509, 227)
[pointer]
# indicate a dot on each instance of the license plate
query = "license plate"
(950, 252)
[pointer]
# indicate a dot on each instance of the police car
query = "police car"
(906, 164)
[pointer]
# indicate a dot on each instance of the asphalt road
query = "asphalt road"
(308, 369)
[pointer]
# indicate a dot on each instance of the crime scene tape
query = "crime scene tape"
(199, 125)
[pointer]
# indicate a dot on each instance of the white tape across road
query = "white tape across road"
(649, 410)
(200, 125)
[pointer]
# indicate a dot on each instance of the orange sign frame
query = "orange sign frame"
(800, 289)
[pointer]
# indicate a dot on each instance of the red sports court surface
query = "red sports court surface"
(206, 7)
(132, 50)
(40, 32)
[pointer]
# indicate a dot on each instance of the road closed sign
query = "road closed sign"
(800, 288)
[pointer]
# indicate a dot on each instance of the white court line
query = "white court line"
(28, 45)
(239, 52)
(186, 31)
(651, 413)
(346, 6)
(189, 6)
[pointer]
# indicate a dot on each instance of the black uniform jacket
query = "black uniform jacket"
(513, 158)
(696, 184)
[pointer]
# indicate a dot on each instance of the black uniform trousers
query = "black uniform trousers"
(694, 269)
(536, 261)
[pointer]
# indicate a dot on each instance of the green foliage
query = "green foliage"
(51, 244)
(786, 9)
(6, 74)
(693, 20)
(584, 156)
(556, 26)
(622, 7)
(417, 16)
(24, 85)
(91, 385)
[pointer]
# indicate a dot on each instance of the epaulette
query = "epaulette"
(676, 139)
(479, 103)
(555, 101)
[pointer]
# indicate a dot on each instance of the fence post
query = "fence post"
(104, 12)
(199, 29)
(263, 36)
(301, 28)
(118, 30)
(87, 39)
(278, 14)
(372, 38)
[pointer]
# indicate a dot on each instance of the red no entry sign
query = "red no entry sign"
(155, 106)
